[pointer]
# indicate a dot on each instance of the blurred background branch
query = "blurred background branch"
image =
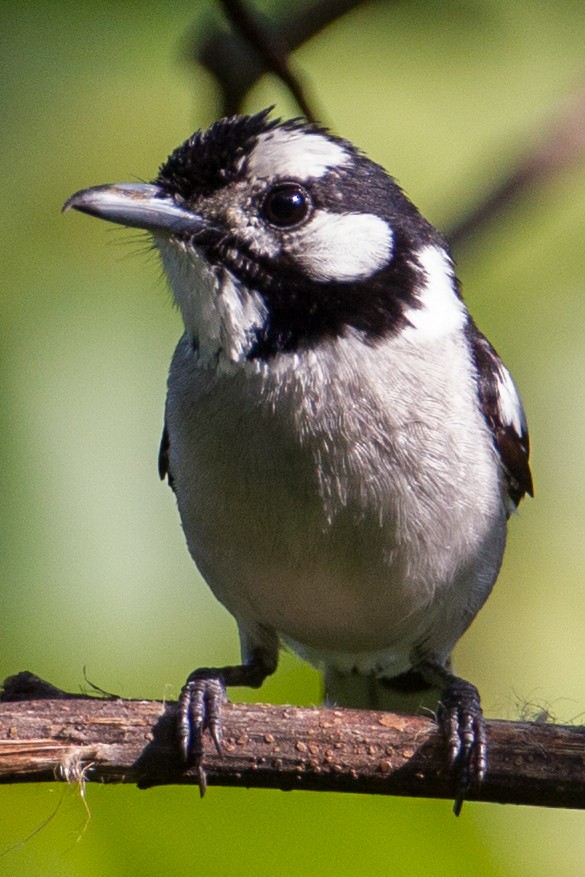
(255, 45)
(558, 148)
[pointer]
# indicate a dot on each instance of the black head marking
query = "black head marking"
(366, 187)
(302, 310)
(211, 158)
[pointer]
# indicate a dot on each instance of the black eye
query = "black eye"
(286, 205)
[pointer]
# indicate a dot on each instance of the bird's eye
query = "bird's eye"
(286, 205)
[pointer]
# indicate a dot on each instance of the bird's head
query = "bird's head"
(277, 235)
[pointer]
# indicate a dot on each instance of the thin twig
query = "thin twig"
(269, 49)
(237, 63)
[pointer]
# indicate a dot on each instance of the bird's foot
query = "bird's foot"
(203, 696)
(461, 719)
(200, 707)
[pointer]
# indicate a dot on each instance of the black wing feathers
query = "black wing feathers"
(163, 459)
(503, 412)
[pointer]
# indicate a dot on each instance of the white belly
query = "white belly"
(356, 526)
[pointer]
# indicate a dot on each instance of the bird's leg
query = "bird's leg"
(461, 719)
(202, 698)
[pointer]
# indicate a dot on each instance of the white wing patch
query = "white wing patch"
(509, 404)
(342, 246)
(440, 309)
(294, 154)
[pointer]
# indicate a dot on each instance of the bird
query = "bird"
(344, 445)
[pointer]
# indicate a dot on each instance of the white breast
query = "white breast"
(334, 497)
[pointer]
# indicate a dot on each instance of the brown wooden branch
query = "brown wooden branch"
(80, 738)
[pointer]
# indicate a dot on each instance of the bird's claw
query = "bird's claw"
(461, 719)
(200, 707)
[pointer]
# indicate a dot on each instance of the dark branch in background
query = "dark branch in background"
(562, 146)
(57, 736)
(238, 59)
(271, 52)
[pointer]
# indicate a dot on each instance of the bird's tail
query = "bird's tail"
(407, 693)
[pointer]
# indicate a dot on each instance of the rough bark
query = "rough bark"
(62, 737)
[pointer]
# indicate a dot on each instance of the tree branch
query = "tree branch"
(256, 45)
(78, 738)
(560, 146)
(269, 49)
(239, 57)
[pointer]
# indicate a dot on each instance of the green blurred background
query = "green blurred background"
(94, 571)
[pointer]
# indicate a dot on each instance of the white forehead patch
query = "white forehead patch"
(440, 310)
(290, 153)
(342, 246)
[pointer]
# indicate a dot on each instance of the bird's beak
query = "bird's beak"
(138, 205)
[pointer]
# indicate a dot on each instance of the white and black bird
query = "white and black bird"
(345, 446)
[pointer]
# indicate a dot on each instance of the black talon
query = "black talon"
(200, 705)
(201, 702)
(461, 719)
(200, 710)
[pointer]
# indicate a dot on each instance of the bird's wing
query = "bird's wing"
(502, 409)
(163, 458)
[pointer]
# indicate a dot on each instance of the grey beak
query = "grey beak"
(138, 205)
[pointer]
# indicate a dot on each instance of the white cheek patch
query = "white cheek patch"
(440, 309)
(342, 246)
(219, 313)
(296, 154)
